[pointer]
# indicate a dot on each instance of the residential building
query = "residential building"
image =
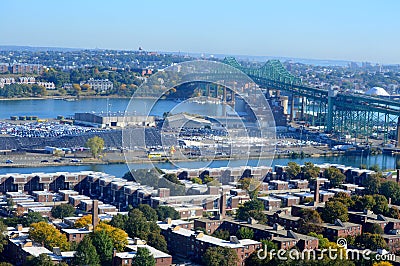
(192, 244)
(126, 258)
(99, 85)
(340, 229)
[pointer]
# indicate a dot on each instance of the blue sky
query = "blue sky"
(337, 29)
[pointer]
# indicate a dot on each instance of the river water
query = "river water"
(384, 161)
(51, 108)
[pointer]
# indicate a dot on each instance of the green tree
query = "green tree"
(310, 171)
(334, 210)
(165, 212)
(343, 198)
(119, 221)
(86, 253)
(41, 260)
(394, 213)
(374, 229)
(370, 241)
(372, 184)
(148, 212)
(391, 190)
(368, 202)
(381, 205)
(197, 180)
(104, 246)
(137, 225)
(293, 170)
(63, 210)
(245, 233)
(144, 258)
(3, 239)
(10, 204)
(374, 168)
(117, 235)
(335, 176)
(32, 217)
(309, 221)
(253, 208)
(322, 241)
(207, 179)
(269, 244)
(156, 240)
(251, 185)
(221, 234)
(172, 178)
(96, 145)
(220, 256)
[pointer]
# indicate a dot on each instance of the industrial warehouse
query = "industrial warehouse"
(119, 119)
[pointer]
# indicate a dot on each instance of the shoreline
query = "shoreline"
(74, 97)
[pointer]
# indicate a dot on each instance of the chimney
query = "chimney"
(114, 252)
(19, 227)
(398, 176)
(95, 213)
(163, 192)
(316, 192)
(212, 190)
(222, 206)
(168, 221)
(390, 200)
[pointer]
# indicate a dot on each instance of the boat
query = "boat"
(70, 99)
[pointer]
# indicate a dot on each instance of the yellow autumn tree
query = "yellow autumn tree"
(86, 87)
(47, 235)
(83, 221)
(382, 263)
(118, 236)
(77, 87)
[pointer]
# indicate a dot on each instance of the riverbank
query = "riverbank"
(119, 169)
(66, 97)
(33, 160)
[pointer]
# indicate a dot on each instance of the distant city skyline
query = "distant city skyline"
(335, 30)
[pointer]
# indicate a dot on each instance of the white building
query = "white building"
(99, 85)
(47, 85)
(26, 80)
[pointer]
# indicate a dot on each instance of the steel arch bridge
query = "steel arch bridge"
(343, 113)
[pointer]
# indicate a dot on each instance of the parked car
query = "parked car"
(9, 161)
